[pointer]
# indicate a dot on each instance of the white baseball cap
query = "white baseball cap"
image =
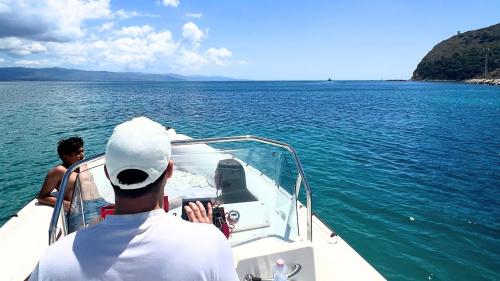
(140, 144)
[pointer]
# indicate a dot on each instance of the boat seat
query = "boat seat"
(230, 181)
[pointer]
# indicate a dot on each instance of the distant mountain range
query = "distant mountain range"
(463, 57)
(64, 74)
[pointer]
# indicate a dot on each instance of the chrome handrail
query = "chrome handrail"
(58, 208)
(295, 269)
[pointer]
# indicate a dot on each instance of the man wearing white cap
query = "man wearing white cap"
(140, 242)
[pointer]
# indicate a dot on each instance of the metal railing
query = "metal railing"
(59, 210)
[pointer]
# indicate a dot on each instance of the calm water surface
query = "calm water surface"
(407, 173)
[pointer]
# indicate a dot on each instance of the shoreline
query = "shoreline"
(495, 82)
(479, 81)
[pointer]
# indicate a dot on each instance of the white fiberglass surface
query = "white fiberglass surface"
(184, 184)
(254, 184)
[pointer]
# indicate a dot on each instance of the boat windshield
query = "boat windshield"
(257, 184)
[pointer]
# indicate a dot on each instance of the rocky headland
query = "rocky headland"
(472, 57)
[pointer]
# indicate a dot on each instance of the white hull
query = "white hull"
(23, 239)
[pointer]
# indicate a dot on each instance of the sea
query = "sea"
(408, 173)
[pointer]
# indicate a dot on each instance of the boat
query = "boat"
(329, 79)
(260, 184)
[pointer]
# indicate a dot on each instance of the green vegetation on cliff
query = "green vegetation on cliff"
(463, 57)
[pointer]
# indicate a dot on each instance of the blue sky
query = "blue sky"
(262, 40)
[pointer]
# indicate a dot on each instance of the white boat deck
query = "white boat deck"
(23, 239)
(334, 258)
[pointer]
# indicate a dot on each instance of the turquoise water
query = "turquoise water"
(407, 173)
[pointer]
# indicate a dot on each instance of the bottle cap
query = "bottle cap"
(280, 262)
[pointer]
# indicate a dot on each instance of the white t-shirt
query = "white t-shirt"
(144, 246)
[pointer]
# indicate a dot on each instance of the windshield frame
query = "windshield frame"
(301, 179)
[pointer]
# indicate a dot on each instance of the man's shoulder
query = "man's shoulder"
(57, 171)
(66, 246)
(59, 250)
(67, 241)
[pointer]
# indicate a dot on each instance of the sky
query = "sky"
(252, 39)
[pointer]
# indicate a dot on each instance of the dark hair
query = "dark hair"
(133, 176)
(68, 146)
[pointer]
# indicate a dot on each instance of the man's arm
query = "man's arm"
(52, 180)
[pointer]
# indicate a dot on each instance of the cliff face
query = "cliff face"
(463, 56)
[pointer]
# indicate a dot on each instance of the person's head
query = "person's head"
(70, 150)
(138, 160)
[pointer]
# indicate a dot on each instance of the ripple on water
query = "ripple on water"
(375, 154)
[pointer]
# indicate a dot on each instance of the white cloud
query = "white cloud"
(37, 48)
(191, 32)
(72, 53)
(125, 14)
(32, 62)
(106, 26)
(2, 60)
(162, 42)
(59, 33)
(218, 55)
(190, 60)
(194, 15)
(20, 47)
(171, 3)
(133, 47)
(49, 20)
(135, 30)
(221, 52)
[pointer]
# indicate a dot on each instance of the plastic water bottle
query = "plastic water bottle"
(279, 271)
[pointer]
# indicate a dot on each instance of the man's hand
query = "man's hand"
(197, 213)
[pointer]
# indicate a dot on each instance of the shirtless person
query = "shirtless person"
(70, 151)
